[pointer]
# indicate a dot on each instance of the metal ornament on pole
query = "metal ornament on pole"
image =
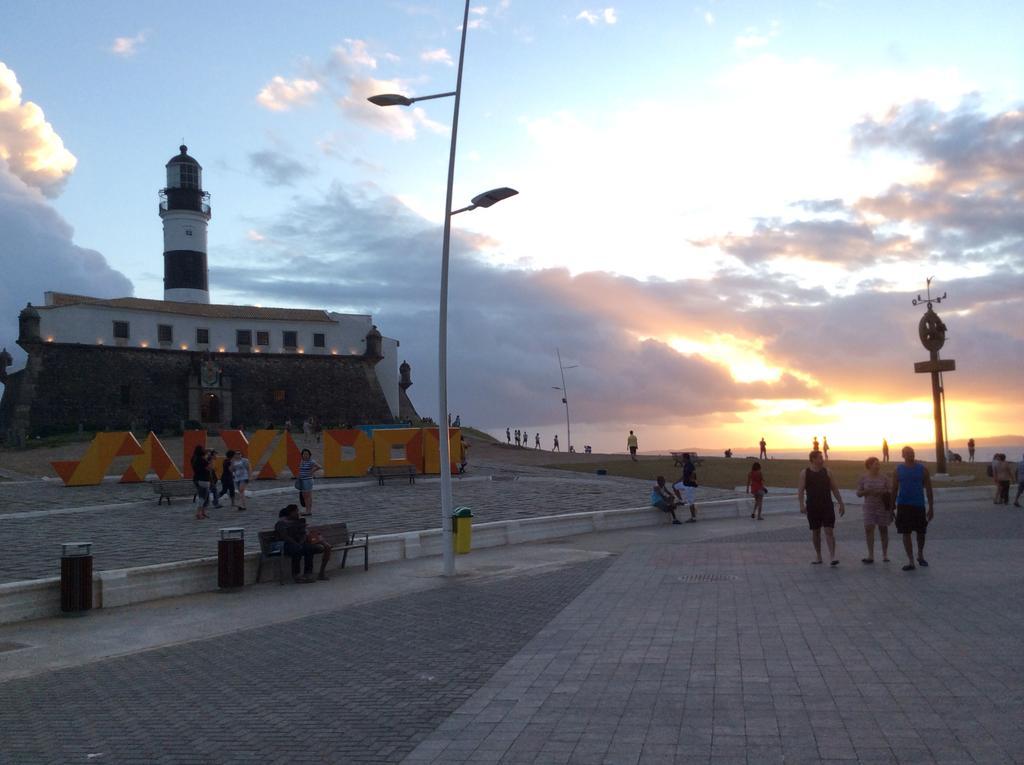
(486, 199)
(932, 332)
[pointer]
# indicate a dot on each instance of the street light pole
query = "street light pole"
(486, 199)
(442, 332)
(565, 398)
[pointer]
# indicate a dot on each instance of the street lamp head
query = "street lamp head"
(493, 196)
(390, 99)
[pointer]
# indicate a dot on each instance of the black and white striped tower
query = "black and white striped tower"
(185, 211)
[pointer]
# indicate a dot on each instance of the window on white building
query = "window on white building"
(291, 338)
(243, 337)
(262, 337)
(165, 333)
(318, 340)
(121, 330)
(202, 337)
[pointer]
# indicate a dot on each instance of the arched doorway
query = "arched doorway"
(209, 410)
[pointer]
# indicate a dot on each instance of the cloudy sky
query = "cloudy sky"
(725, 207)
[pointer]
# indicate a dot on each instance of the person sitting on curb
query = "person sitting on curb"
(291, 529)
(662, 499)
(686, 487)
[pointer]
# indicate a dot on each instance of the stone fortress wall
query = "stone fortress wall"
(67, 386)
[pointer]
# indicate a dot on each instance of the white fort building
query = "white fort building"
(186, 325)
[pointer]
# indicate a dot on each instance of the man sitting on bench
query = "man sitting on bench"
(291, 529)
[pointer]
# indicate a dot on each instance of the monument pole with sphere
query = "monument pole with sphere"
(933, 336)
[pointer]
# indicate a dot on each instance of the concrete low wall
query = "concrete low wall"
(40, 598)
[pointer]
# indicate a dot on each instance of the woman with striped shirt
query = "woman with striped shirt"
(307, 469)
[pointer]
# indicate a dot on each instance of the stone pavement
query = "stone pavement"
(140, 533)
(739, 651)
(359, 685)
(714, 642)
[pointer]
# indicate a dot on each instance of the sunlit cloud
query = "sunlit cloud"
(280, 94)
(127, 46)
(438, 56)
(29, 145)
(37, 244)
(353, 54)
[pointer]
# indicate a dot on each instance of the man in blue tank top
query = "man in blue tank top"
(817, 488)
(911, 483)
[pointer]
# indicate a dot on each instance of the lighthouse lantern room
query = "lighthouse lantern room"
(185, 211)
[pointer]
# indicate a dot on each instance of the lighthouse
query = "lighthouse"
(185, 211)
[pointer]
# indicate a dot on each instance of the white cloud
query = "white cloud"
(36, 246)
(127, 46)
(607, 15)
(709, 18)
(29, 145)
(438, 56)
(752, 37)
(280, 95)
(353, 55)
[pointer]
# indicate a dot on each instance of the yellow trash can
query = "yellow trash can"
(462, 529)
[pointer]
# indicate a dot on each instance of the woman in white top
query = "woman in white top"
(240, 470)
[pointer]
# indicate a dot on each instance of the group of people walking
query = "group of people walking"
(1002, 473)
(904, 497)
(233, 478)
(523, 439)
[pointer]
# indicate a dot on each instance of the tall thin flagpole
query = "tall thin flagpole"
(442, 332)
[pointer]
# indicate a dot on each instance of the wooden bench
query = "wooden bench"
(336, 535)
(677, 458)
(167, 489)
(393, 471)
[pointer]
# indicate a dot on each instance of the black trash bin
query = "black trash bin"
(75, 578)
(231, 559)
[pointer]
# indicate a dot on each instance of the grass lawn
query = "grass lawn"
(727, 473)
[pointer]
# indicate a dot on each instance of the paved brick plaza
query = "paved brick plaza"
(706, 643)
(128, 529)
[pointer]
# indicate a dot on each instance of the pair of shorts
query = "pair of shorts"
(877, 517)
(632, 450)
(665, 506)
(304, 484)
(689, 492)
(818, 518)
(760, 493)
(911, 518)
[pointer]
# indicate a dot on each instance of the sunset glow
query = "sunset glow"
(723, 213)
